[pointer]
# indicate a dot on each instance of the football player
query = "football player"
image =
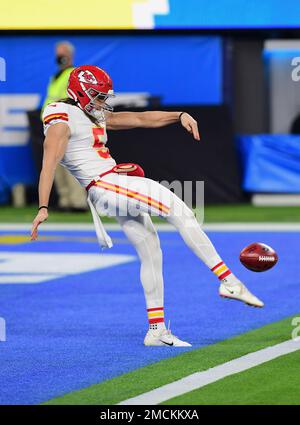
(75, 135)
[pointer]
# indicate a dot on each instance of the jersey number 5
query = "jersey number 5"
(98, 133)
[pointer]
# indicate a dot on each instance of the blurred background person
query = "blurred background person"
(57, 88)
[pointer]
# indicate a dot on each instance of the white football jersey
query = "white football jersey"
(86, 155)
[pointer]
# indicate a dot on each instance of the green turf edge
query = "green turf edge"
(272, 383)
(165, 371)
(213, 214)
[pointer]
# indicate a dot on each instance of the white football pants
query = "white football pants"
(132, 200)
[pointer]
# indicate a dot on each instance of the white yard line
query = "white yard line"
(252, 227)
(211, 227)
(200, 379)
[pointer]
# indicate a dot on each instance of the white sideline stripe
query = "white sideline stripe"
(252, 227)
(200, 379)
(212, 227)
(28, 278)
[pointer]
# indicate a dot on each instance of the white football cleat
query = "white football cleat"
(238, 291)
(163, 338)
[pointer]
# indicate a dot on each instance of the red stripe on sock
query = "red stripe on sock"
(216, 266)
(154, 309)
(225, 274)
(158, 320)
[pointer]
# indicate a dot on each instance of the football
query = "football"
(258, 257)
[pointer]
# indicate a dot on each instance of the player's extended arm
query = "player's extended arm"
(54, 148)
(151, 119)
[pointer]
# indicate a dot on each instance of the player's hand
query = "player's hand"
(191, 125)
(40, 218)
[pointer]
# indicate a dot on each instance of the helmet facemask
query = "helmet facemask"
(97, 111)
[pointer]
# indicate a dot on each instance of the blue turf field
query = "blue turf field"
(75, 330)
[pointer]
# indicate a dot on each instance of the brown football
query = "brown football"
(258, 257)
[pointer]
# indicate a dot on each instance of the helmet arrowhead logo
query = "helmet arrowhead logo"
(87, 77)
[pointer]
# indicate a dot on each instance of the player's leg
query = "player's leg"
(177, 213)
(150, 196)
(143, 236)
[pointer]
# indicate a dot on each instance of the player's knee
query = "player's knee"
(154, 242)
(154, 248)
(157, 254)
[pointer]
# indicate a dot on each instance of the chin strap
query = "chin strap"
(99, 116)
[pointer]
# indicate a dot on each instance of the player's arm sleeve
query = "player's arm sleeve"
(55, 113)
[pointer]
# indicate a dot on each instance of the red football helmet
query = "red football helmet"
(87, 84)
